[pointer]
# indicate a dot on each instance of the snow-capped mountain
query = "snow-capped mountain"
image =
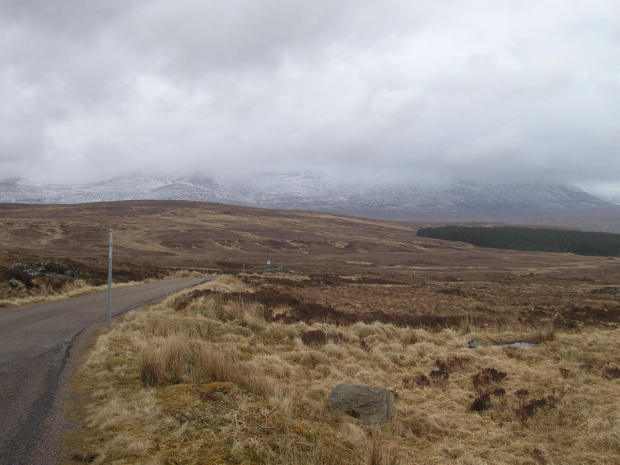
(303, 190)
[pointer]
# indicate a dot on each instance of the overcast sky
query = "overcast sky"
(401, 89)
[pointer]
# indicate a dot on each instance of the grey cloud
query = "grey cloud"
(479, 89)
(60, 19)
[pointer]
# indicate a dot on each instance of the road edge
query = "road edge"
(48, 447)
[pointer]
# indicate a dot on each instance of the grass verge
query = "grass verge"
(23, 297)
(205, 378)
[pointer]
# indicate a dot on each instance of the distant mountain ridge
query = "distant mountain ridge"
(305, 190)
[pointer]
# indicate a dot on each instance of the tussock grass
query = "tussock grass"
(203, 379)
(183, 360)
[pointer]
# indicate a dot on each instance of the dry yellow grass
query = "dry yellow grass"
(74, 288)
(184, 274)
(200, 378)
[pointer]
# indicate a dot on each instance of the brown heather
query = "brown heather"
(43, 291)
(216, 375)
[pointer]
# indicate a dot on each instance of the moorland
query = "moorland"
(239, 370)
(160, 234)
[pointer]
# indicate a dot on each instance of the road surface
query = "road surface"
(34, 344)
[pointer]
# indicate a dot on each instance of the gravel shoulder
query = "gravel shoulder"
(58, 423)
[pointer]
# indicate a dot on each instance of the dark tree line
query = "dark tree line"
(530, 239)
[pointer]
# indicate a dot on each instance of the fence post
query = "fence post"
(109, 315)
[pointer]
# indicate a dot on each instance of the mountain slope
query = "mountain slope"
(447, 201)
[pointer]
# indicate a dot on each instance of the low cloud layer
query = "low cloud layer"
(397, 89)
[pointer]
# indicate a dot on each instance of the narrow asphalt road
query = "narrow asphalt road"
(34, 343)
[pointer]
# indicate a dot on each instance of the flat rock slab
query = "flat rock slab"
(372, 405)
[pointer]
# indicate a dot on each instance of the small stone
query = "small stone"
(13, 283)
(372, 405)
(474, 344)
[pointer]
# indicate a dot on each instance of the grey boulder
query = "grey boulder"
(372, 405)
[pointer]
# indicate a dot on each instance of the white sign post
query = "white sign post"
(110, 278)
